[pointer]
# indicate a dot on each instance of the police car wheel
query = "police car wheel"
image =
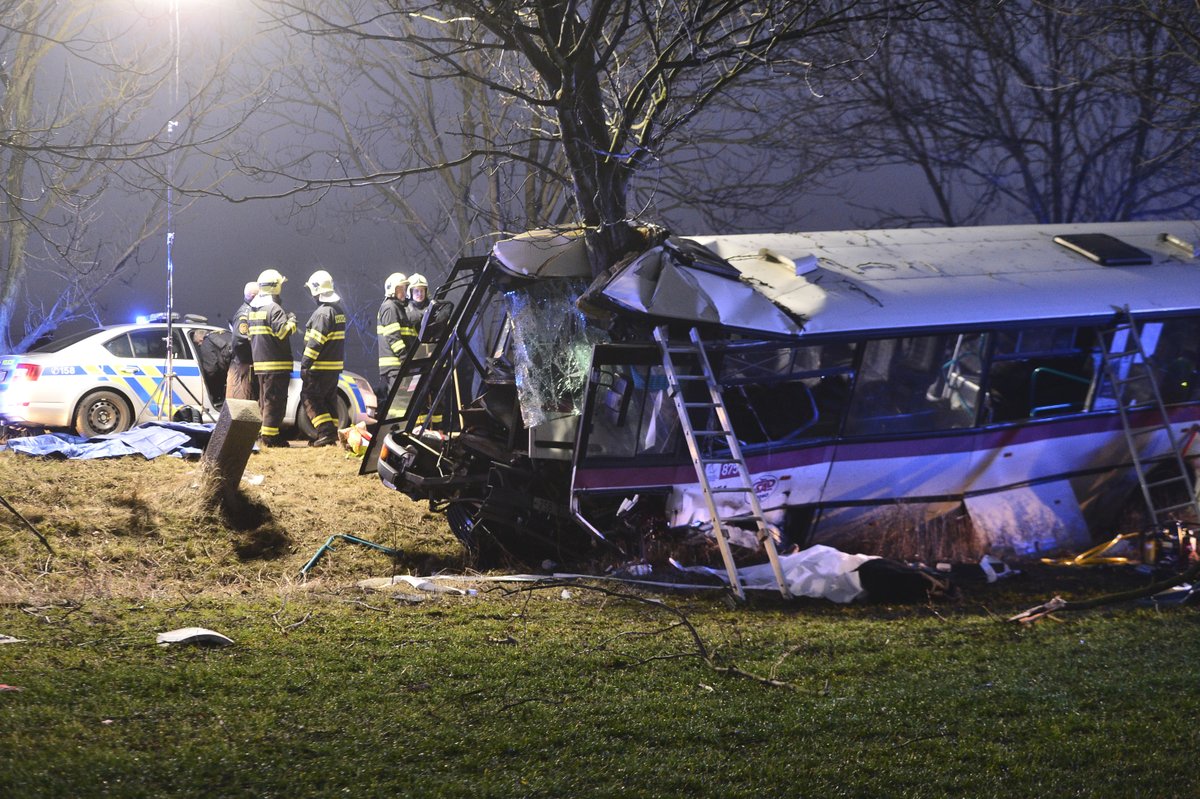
(101, 413)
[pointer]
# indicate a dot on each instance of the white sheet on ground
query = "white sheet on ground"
(820, 572)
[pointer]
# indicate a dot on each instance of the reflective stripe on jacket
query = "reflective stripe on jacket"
(270, 327)
(395, 331)
(325, 339)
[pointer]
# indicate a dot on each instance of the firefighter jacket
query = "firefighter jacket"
(325, 339)
(240, 327)
(270, 328)
(396, 332)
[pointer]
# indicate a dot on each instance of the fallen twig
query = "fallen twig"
(28, 524)
(1058, 604)
(701, 650)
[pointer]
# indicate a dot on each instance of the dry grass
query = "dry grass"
(128, 527)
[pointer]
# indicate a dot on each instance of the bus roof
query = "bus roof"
(904, 279)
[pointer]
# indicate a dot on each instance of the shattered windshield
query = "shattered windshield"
(551, 345)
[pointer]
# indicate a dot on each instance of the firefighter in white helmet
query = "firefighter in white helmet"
(270, 329)
(321, 363)
(240, 381)
(418, 293)
(395, 332)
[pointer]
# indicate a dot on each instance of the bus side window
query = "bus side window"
(1177, 359)
(777, 395)
(1040, 372)
(901, 388)
(634, 414)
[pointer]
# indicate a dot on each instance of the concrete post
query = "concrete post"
(229, 448)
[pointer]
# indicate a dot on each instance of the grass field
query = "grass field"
(531, 690)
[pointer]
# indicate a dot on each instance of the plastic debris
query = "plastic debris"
(1176, 595)
(389, 585)
(995, 569)
(423, 584)
(8, 639)
(193, 635)
(355, 439)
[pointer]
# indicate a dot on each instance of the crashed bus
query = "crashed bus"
(922, 394)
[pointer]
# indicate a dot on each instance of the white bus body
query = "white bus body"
(914, 393)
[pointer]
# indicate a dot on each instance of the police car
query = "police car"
(106, 380)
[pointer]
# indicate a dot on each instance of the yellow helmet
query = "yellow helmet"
(394, 281)
(270, 282)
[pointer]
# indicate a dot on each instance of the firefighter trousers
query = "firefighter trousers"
(272, 401)
(318, 392)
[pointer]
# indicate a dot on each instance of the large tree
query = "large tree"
(1021, 110)
(592, 94)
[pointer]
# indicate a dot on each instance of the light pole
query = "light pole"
(165, 406)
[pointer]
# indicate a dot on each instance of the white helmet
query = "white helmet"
(320, 285)
(250, 290)
(270, 282)
(417, 281)
(394, 280)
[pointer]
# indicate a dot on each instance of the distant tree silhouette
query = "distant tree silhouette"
(1020, 110)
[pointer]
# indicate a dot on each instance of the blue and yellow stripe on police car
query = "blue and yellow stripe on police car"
(145, 382)
(354, 393)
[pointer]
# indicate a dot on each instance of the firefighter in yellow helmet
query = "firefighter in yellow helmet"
(270, 329)
(321, 363)
(395, 331)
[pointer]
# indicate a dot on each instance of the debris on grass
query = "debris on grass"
(427, 585)
(193, 635)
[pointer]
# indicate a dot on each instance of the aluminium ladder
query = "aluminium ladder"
(688, 363)
(1121, 351)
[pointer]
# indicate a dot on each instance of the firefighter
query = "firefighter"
(321, 363)
(418, 298)
(270, 329)
(241, 383)
(395, 330)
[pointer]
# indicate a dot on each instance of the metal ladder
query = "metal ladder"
(1122, 350)
(700, 440)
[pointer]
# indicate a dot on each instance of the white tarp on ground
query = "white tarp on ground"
(819, 572)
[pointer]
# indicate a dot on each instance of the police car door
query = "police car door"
(160, 395)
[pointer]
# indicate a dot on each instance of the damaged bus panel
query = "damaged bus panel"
(933, 394)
